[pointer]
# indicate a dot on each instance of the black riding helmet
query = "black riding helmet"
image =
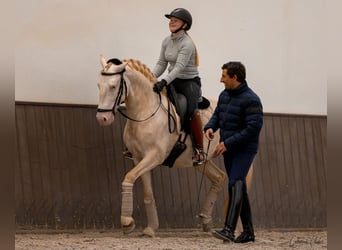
(183, 15)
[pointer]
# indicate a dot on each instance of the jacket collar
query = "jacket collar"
(241, 88)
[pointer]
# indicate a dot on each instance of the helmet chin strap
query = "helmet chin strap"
(179, 29)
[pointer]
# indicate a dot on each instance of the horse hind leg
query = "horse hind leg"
(150, 206)
(218, 178)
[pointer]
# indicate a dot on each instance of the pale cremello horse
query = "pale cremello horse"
(147, 137)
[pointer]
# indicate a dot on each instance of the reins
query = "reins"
(169, 116)
(142, 120)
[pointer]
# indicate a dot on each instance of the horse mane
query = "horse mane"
(142, 68)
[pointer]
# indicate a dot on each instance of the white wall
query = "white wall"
(281, 42)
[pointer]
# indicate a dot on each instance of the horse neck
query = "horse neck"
(141, 100)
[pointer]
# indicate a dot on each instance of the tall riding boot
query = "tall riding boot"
(234, 207)
(197, 132)
(246, 219)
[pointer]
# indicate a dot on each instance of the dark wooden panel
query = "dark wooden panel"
(159, 195)
(316, 169)
(69, 171)
(290, 188)
(268, 167)
(297, 144)
(282, 193)
(166, 195)
(21, 197)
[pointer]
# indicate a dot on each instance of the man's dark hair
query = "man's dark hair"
(235, 68)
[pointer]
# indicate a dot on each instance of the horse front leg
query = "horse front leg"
(150, 206)
(218, 178)
(127, 220)
(144, 166)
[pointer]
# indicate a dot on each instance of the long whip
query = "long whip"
(200, 187)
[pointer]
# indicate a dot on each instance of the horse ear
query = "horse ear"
(103, 61)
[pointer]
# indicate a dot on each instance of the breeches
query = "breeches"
(237, 165)
(191, 89)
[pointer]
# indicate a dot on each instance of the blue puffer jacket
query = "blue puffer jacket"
(239, 117)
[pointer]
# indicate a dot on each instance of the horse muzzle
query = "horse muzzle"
(105, 118)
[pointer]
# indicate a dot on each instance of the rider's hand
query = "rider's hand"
(158, 86)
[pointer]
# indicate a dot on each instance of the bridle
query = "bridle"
(123, 86)
(122, 90)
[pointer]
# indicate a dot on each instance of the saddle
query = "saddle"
(180, 103)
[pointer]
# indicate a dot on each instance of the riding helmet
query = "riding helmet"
(183, 15)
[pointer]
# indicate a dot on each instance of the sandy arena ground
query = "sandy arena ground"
(167, 240)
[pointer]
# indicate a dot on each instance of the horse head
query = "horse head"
(112, 90)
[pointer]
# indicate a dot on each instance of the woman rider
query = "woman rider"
(180, 53)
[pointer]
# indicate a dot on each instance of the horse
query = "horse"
(148, 137)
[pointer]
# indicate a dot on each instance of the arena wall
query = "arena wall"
(69, 170)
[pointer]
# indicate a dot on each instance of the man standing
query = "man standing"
(239, 116)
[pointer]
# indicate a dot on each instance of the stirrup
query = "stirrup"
(199, 157)
(127, 154)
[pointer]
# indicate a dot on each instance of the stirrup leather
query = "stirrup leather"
(199, 157)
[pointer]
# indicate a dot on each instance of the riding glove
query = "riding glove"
(158, 86)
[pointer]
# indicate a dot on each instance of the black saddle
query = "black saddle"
(180, 103)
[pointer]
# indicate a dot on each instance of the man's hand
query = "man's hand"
(158, 86)
(220, 149)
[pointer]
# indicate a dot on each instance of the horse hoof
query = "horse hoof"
(207, 222)
(128, 228)
(128, 224)
(207, 227)
(148, 231)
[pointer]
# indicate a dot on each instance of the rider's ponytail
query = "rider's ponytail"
(196, 51)
(196, 57)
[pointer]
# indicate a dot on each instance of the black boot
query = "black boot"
(246, 219)
(233, 212)
(226, 233)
